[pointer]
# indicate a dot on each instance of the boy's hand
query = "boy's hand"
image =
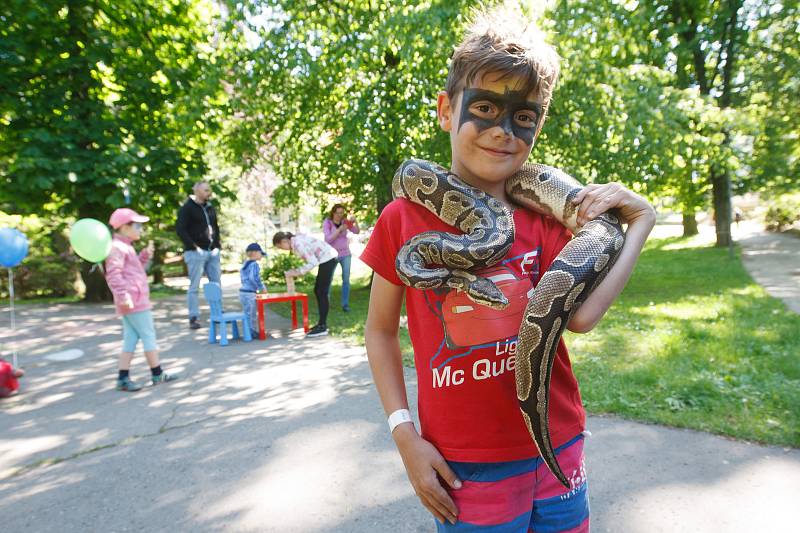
(596, 199)
(424, 466)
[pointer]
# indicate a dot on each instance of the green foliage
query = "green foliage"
(774, 63)
(685, 97)
(48, 270)
(624, 112)
(280, 262)
(100, 98)
(783, 211)
(343, 92)
(107, 103)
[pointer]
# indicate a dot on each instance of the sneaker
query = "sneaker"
(164, 378)
(193, 323)
(128, 385)
(346, 308)
(318, 331)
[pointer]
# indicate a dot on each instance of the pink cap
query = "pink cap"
(123, 216)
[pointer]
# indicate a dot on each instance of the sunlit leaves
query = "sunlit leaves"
(345, 91)
(120, 96)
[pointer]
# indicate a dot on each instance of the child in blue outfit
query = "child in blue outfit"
(251, 284)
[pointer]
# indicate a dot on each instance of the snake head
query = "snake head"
(483, 291)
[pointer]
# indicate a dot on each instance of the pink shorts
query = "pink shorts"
(522, 496)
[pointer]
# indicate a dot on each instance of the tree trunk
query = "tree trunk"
(157, 267)
(96, 287)
(721, 182)
(689, 224)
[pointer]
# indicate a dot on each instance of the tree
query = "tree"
(343, 91)
(773, 67)
(710, 45)
(103, 103)
(712, 62)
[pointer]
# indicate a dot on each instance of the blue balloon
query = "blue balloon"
(13, 247)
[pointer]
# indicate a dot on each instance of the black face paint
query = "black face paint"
(508, 104)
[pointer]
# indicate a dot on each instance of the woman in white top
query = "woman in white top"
(315, 253)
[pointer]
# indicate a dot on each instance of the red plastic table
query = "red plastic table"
(263, 299)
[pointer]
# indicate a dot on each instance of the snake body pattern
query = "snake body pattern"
(435, 259)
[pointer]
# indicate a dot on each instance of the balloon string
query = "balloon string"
(98, 266)
(13, 322)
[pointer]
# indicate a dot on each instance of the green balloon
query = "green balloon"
(90, 239)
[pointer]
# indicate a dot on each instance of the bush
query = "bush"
(49, 270)
(784, 211)
(42, 276)
(279, 263)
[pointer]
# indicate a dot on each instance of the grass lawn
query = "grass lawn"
(692, 342)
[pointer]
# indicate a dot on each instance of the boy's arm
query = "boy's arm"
(640, 217)
(258, 282)
(421, 459)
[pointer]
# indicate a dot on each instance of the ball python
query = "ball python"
(435, 259)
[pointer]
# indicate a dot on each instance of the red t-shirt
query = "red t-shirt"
(465, 353)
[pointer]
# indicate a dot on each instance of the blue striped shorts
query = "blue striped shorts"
(522, 496)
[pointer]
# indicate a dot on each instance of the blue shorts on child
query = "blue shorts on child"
(137, 326)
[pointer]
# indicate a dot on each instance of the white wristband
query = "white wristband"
(401, 416)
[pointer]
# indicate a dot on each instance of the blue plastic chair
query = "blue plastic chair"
(213, 294)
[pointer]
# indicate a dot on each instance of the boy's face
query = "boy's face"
(492, 127)
(255, 255)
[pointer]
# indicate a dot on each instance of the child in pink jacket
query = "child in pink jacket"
(127, 279)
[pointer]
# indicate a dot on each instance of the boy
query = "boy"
(475, 465)
(251, 284)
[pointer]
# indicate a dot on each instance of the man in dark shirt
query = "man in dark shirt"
(197, 228)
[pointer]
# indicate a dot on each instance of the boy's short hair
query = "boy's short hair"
(501, 41)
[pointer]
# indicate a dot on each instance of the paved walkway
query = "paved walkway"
(288, 435)
(774, 262)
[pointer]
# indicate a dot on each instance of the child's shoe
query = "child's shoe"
(164, 378)
(128, 385)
